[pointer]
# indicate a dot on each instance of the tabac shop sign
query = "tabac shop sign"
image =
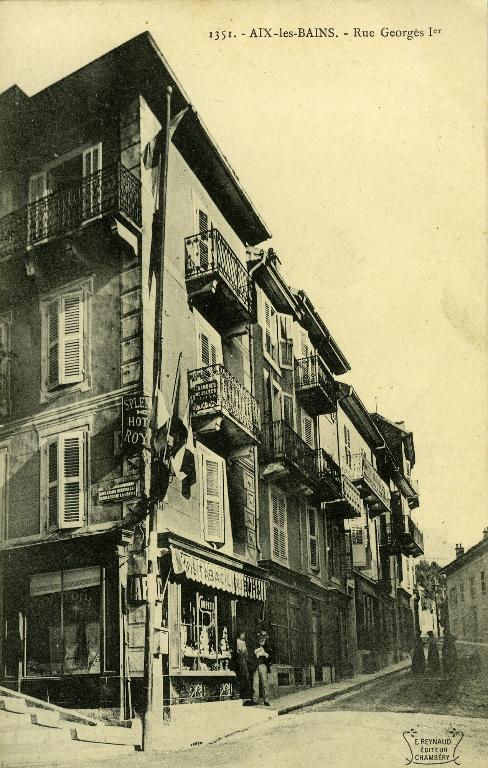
(136, 411)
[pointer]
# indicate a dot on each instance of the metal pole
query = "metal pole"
(151, 715)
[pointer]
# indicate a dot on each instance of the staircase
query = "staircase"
(34, 731)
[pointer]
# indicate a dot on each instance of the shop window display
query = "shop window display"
(63, 623)
(206, 630)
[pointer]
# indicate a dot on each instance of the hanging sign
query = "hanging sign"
(136, 412)
(119, 492)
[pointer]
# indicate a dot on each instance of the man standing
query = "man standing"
(433, 663)
(262, 660)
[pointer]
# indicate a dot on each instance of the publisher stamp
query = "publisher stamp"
(429, 747)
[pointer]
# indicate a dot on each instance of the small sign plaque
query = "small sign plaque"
(120, 492)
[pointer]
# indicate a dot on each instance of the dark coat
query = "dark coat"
(255, 661)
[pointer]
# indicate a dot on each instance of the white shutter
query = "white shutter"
(71, 338)
(71, 462)
(4, 369)
(278, 511)
(209, 343)
(213, 498)
(307, 430)
(313, 538)
(92, 187)
(202, 227)
(288, 410)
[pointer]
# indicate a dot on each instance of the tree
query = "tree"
(433, 583)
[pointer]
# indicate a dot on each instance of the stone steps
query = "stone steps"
(34, 731)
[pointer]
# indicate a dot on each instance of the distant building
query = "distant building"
(467, 592)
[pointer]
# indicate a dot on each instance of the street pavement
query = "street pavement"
(355, 730)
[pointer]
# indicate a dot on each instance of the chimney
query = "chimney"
(485, 533)
(459, 550)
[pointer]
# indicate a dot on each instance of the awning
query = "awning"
(217, 576)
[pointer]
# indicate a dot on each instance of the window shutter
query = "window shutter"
(72, 338)
(213, 502)
(288, 414)
(53, 474)
(53, 344)
(71, 477)
(307, 430)
(205, 349)
(313, 537)
(278, 504)
(4, 369)
(203, 228)
(92, 163)
(347, 444)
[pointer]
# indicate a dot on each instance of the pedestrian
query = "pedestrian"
(262, 658)
(433, 663)
(449, 655)
(418, 656)
(242, 666)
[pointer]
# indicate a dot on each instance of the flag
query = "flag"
(158, 420)
(183, 461)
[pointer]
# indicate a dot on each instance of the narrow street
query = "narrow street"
(363, 729)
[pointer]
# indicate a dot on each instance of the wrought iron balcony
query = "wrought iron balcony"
(315, 387)
(113, 189)
(348, 503)
(219, 403)
(372, 488)
(391, 538)
(218, 283)
(413, 539)
(329, 476)
(287, 458)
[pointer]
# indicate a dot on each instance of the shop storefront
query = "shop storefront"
(62, 623)
(210, 598)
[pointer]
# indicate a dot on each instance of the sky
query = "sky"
(365, 155)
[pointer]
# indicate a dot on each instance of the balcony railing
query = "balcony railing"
(373, 488)
(314, 383)
(208, 253)
(414, 538)
(110, 190)
(281, 442)
(329, 473)
(213, 389)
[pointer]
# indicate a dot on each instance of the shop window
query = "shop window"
(206, 630)
(63, 623)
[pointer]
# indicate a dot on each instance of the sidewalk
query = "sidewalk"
(309, 696)
(196, 725)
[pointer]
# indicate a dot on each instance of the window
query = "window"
(4, 367)
(483, 583)
(3, 493)
(313, 539)
(209, 343)
(206, 627)
(471, 587)
(347, 447)
(279, 526)
(63, 623)
(285, 327)
(461, 593)
(288, 410)
(65, 358)
(453, 596)
(357, 534)
(333, 549)
(269, 322)
(203, 226)
(213, 484)
(65, 462)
